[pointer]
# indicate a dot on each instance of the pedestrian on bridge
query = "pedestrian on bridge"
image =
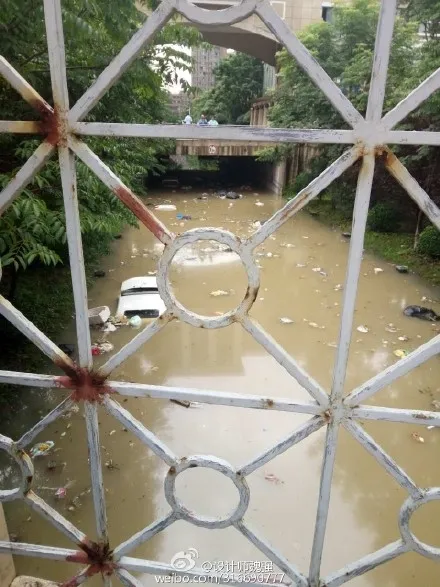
(187, 119)
(212, 121)
(202, 121)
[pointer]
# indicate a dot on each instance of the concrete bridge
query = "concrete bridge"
(252, 36)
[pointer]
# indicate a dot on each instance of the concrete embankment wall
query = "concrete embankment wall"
(7, 569)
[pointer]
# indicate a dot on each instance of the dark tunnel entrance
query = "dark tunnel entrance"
(215, 173)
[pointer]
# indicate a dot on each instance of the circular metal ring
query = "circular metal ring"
(26, 466)
(211, 463)
(225, 238)
(408, 508)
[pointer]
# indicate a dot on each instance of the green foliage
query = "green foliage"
(33, 228)
(429, 242)
(239, 81)
(383, 218)
(345, 49)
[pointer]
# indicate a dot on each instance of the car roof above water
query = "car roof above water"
(139, 283)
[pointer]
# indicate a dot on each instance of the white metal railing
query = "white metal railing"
(368, 138)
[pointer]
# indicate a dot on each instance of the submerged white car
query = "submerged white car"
(140, 296)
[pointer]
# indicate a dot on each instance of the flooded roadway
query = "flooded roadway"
(302, 269)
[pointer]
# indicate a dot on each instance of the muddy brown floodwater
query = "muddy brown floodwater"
(302, 269)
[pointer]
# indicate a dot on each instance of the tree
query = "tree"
(345, 50)
(33, 229)
(238, 82)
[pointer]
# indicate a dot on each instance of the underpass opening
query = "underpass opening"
(215, 173)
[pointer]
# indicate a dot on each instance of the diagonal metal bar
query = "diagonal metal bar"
(36, 550)
(285, 360)
(29, 436)
(35, 335)
(26, 91)
(127, 578)
(122, 61)
(140, 431)
(384, 37)
(219, 398)
(308, 63)
(56, 519)
(412, 101)
(272, 554)
(77, 269)
(28, 379)
(415, 191)
(135, 343)
(393, 372)
(98, 492)
(365, 564)
(376, 451)
(360, 213)
(113, 182)
(144, 535)
(57, 64)
(78, 579)
(320, 183)
(25, 127)
(301, 433)
(25, 174)
(399, 416)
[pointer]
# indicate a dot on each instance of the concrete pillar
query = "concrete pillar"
(7, 569)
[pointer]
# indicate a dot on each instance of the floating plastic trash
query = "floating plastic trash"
(135, 321)
(41, 448)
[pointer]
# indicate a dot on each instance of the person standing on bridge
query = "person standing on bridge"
(212, 121)
(202, 121)
(188, 119)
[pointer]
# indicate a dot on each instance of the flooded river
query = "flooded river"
(302, 269)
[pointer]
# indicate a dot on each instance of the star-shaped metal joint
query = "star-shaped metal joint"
(97, 555)
(87, 385)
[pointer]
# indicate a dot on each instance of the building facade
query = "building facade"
(179, 104)
(204, 62)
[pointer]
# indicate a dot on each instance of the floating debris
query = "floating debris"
(112, 432)
(317, 269)
(400, 353)
(416, 436)
(391, 328)
(401, 268)
(338, 287)
(181, 402)
(378, 270)
(259, 204)
(286, 321)
(41, 449)
(273, 478)
(219, 292)
(403, 338)
(301, 265)
(109, 327)
(135, 321)
(436, 404)
(165, 207)
(99, 348)
(362, 329)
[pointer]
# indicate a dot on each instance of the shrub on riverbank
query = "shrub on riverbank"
(429, 243)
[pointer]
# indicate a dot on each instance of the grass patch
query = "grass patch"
(396, 248)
